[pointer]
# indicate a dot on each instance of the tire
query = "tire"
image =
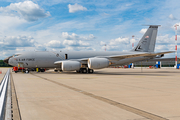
(42, 70)
(90, 70)
(84, 70)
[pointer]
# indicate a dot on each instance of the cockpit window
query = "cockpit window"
(15, 55)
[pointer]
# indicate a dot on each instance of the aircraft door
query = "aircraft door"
(66, 56)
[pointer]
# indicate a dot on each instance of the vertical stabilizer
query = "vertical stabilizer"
(148, 41)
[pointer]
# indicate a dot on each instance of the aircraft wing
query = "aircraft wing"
(119, 57)
(137, 55)
(160, 53)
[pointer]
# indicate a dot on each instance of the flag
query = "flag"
(147, 37)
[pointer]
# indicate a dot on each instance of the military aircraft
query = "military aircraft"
(87, 61)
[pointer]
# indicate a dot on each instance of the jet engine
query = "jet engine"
(98, 63)
(70, 65)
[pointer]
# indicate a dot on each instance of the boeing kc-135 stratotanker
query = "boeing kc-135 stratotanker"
(85, 62)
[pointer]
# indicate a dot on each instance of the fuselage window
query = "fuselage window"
(66, 56)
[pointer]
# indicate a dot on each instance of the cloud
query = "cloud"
(167, 39)
(67, 44)
(102, 43)
(118, 44)
(142, 31)
(164, 39)
(105, 14)
(27, 10)
(160, 48)
(12, 42)
(41, 48)
(172, 17)
(110, 48)
(19, 49)
(75, 8)
(9, 22)
(69, 37)
(80, 48)
(74, 36)
(75, 43)
(165, 43)
(55, 44)
(119, 41)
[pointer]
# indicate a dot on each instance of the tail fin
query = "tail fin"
(148, 41)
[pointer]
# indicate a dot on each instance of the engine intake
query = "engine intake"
(98, 63)
(70, 65)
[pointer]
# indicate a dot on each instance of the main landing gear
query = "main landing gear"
(40, 70)
(85, 70)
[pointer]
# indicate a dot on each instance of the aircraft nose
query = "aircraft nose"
(6, 60)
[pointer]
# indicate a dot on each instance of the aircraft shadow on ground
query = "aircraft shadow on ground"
(132, 73)
(154, 73)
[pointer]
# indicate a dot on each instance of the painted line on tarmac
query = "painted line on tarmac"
(114, 103)
(16, 115)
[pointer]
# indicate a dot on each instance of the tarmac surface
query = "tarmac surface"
(107, 94)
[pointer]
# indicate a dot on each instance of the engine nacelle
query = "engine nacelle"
(98, 63)
(70, 65)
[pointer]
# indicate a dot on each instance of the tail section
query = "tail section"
(148, 41)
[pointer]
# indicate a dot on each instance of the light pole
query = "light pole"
(176, 25)
(132, 48)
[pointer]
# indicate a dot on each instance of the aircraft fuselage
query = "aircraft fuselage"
(46, 59)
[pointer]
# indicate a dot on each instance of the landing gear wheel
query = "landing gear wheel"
(90, 70)
(41, 70)
(82, 70)
(27, 71)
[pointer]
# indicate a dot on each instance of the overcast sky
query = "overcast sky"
(84, 25)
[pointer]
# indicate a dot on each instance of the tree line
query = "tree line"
(3, 64)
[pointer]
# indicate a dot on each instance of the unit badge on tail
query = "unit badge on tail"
(138, 48)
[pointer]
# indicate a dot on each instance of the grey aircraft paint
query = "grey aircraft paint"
(50, 59)
(148, 41)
